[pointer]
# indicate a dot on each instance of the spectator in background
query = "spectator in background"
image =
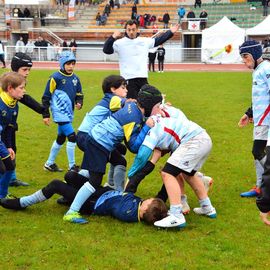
(42, 44)
(146, 17)
(73, 45)
(265, 7)
(266, 43)
(98, 19)
(133, 12)
(166, 19)
(111, 4)
(153, 19)
(198, 3)
(26, 13)
(107, 10)
(152, 57)
(64, 45)
(160, 57)
(191, 14)
(2, 55)
(203, 17)
(103, 19)
(29, 48)
(181, 13)
(20, 45)
(117, 3)
(20, 14)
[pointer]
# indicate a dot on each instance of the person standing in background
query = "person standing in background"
(160, 57)
(2, 55)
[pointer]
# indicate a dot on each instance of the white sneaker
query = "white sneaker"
(185, 206)
(171, 221)
(211, 213)
(208, 182)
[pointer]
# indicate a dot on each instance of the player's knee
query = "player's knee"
(72, 137)
(61, 139)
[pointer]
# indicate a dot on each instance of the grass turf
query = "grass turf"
(37, 238)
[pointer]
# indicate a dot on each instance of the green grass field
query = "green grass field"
(37, 238)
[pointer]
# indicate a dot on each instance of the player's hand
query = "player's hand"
(12, 153)
(46, 121)
(175, 28)
(265, 218)
(78, 106)
(117, 34)
(244, 120)
(150, 122)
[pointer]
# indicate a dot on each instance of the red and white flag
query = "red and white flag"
(71, 10)
(193, 25)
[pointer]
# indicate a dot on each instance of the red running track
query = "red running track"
(167, 67)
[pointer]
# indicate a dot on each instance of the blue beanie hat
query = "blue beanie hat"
(66, 56)
(251, 47)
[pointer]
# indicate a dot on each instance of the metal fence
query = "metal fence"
(174, 54)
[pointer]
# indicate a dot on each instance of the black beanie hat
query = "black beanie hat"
(148, 97)
(20, 60)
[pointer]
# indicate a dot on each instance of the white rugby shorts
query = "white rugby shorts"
(191, 155)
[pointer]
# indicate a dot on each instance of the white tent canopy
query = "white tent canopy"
(217, 39)
(261, 29)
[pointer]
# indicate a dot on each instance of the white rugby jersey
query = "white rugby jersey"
(261, 94)
(169, 132)
(133, 56)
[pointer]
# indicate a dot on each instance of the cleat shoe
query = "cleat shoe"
(18, 183)
(208, 182)
(254, 192)
(63, 201)
(52, 168)
(185, 206)
(211, 213)
(75, 217)
(74, 168)
(171, 221)
(11, 204)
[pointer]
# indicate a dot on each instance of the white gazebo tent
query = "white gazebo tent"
(221, 41)
(261, 29)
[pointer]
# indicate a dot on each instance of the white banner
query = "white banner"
(71, 10)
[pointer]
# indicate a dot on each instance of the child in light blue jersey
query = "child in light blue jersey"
(125, 124)
(189, 145)
(63, 92)
(115, 92)
(251, 52)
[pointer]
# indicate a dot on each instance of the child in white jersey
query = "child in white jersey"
(190, 146)
(251, 53)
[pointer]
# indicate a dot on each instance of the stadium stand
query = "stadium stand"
(83, 28)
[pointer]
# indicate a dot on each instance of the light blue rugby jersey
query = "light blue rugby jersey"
(170, 131)
(261, 94)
